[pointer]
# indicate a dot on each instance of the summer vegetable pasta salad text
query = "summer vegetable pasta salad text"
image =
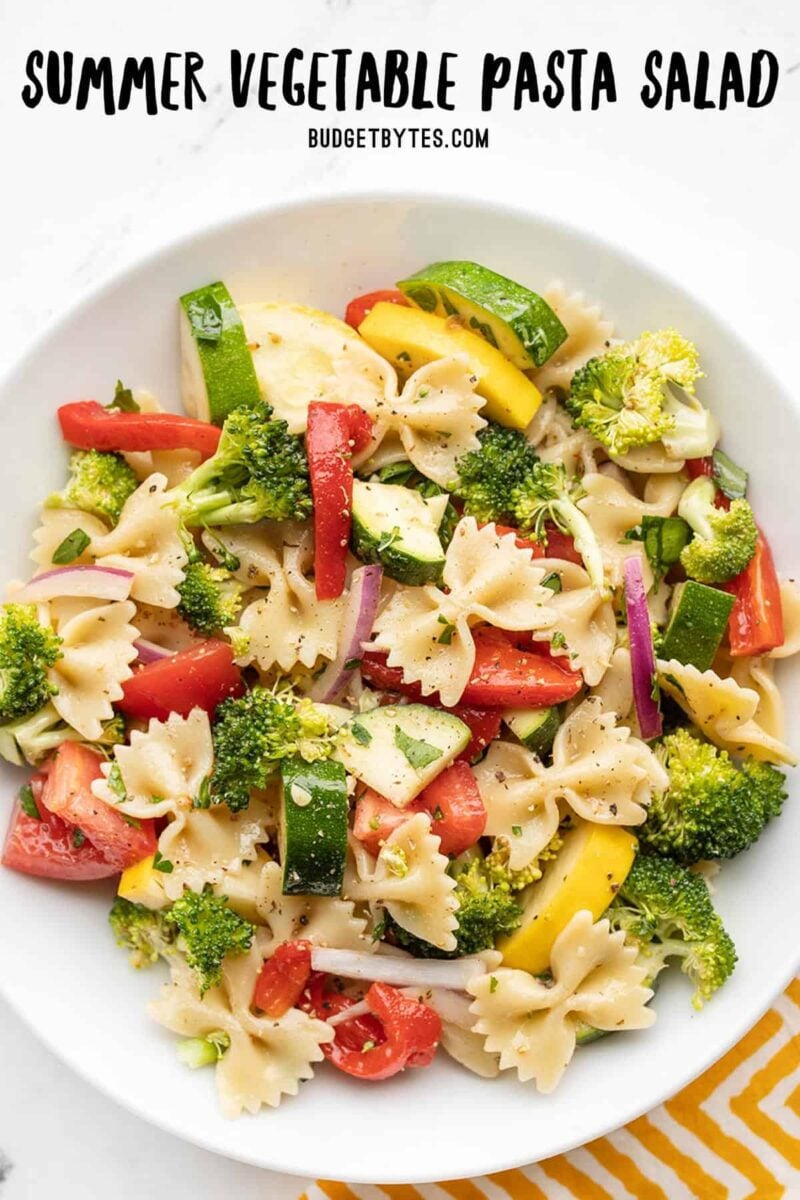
(411, 686)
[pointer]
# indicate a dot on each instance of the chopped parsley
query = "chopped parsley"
(418, 753)
(123, 399)
(552, 581)
(205, 318)
(71, 548)
(446, 636)
(78, 838)
(115, 782)
(162, 864)
(28, 804)
(558, 641)
(493, 984)
(360, 733)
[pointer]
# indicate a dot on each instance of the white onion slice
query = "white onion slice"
(423, 973)
(359, 617)
(101, 583)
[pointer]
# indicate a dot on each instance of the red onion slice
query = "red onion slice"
(643, 659)
(359, 617)
(150, 652)
(101, 583)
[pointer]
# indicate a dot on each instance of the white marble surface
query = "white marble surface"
(709, 197)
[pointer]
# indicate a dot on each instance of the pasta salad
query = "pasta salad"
(410, 686)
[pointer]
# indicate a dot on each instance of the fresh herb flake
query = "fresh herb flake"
(728, 476)
(115, 782)
(203, 797)
(71, 548)
(362, 735)
(516, 830)
(419, 754)
(205, 318)
(446, 636)
(558, 641)
(352, 664)
(123, 399)
(493, 984)
(162, 864)
(28, 804)
(78, 838)
(552, 581)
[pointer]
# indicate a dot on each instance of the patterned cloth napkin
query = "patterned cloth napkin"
(733, 1134)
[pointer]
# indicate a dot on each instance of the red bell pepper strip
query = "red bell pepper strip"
(484, 725)
(557, 544)
(322, 1002)
(89, 426)
(357, 309)
(334, 432)
(200, 677)
(67, 794)
(283, 978)
(503, 675)
(411, 1033)
(756, 621)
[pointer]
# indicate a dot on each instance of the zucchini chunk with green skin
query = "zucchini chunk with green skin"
(312, 832)
(217, 372)
(516, 321)
(535, 727)
(398, 751)
(697, 624)
(397, 527)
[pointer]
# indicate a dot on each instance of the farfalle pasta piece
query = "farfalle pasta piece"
(588, 334)
(289, 625)
(532, 1023)
(613, 510)
(758, 674)
(322, 920)
(96, 652)
(55, 525)
(517, 808)
(436, 418)
(555, 439)
(267, 1057)
(147, 541)
(723, 710)
(212, 846)
(583, 625)
(790, 603)
(615, 689)
(410, 880)
(163, 769)
(255, 546)
(489, 579)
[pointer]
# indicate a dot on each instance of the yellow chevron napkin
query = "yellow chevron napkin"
(733, 1134)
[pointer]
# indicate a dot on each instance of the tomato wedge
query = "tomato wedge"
(67, 794)
(558, 544)
(357, 309)
(89, 426)
(503, 676)
(453, 802)
(283, 978)
(410, 1033)
(756, 621)
(458, 815)
(200, 677)
(323, 1002)
(46, 847)
(334, 431)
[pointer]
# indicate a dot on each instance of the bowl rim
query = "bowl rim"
(765, 994)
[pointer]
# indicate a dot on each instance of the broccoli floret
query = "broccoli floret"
(548, 494)
(515, 881)
(723, 542)
(259, 470)
(145, 932)
(643, 392)
(210, 597)
(253, 733)
(99, 483)
(204, 1051)
(712, 808)
(487, 476)
(208, 931)
(30, 739)
(667, 909)
(486, 911)
(27, 651)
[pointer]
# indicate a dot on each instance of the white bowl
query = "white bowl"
(59, 967)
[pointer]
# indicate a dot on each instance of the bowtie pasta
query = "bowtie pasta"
(410, 688)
